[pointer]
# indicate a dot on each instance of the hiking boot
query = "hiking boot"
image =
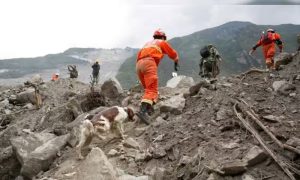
(150, 110)
(142, 114)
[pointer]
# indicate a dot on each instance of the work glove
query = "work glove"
(251, 51)
(176, 66)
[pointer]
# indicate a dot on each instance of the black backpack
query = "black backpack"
(204, 52)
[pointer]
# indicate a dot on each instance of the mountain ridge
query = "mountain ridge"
(233, 40)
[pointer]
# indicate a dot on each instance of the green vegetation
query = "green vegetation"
(233, 40)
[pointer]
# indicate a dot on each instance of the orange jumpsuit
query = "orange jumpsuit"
(54, 77)
(269, 48)
(148, 59)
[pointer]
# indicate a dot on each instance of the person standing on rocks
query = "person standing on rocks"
(95, 73)
(73, 71)
(147, 62)
(268, 41)
(209, 63)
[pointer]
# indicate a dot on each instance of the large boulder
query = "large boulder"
(254, 156)
(174, 105)
(36, 151)
(27, 96)
(96, 166)
(234, 168)
(283, 87)
(180, 82)
(283, 59)
(196, 88)
(293, 141)
(111, 88)
(36, 79)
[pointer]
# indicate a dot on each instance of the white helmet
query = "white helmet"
(270, 30)
(57, 74)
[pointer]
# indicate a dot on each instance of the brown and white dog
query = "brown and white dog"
(102, 122)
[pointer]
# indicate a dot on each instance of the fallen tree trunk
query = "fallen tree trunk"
(255, 118)
(282, 164)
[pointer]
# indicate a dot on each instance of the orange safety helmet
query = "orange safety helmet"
(160, 33)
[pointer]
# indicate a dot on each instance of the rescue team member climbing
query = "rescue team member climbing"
(147, 62)
(268, 41)
(54, 77)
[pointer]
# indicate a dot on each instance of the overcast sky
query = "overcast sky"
(38, 27)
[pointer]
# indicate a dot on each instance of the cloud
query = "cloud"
(273, 2)
(34, 27)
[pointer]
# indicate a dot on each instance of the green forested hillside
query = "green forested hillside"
(233, 40)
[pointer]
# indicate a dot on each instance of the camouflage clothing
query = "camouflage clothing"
(209, 66)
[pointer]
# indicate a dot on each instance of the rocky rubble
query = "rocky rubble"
(194, 132)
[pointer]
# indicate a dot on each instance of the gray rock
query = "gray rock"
(213, 176)
(234, 168)
(184, 160)
(143, 156)
(174, 105)
(36, 79)
(226, 84)
(255, 155)
(29, 106)
(131, 143)
(12, 98)
(283, 58)
(7, 111)
(140, 131)
(158, 121)
(158, 173)
(229, 145)
(130, 177)
(4, 103)
(278, 84)
(37, 151)
(247, 177)
(180, 82)
(273, 118)
(27, 96)
(96, 166)
(125, 102)
(221, 114)
(289, 154)
(295, 142)
(195, 89)
(5, 153)
(19, 178)
(159, 152)
(112, 88)
(112, 153)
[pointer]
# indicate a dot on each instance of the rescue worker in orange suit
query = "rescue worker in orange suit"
(55, 77)
(268, 41)
(147, 62)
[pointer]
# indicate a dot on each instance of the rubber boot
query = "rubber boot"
(142, 114)
(150, 109)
